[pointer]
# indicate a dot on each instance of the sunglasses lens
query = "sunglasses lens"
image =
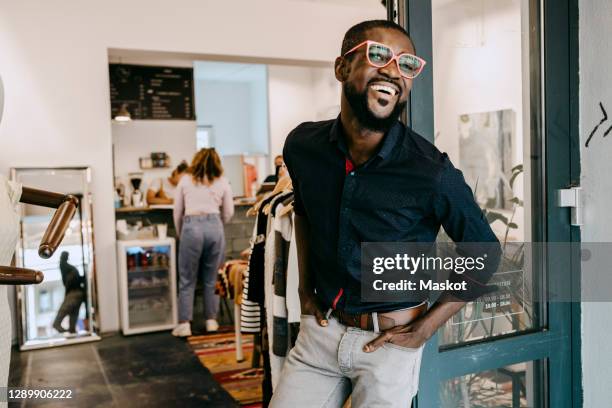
(379, 55)
(410, 66)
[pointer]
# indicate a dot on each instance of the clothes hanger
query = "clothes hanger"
(251, 212)
(66, 208)
(285, 210)
(283, 184)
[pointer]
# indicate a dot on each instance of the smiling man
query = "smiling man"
(365, 177)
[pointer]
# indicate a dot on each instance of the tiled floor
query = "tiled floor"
(148, 370)
(151, 370)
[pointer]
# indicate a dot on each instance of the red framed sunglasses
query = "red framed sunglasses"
(380, 55)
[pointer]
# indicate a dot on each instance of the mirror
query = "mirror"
(61, 310)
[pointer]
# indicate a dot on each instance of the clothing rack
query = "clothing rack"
(264, 310)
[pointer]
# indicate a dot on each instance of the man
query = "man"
(278, 164)
(365, 177)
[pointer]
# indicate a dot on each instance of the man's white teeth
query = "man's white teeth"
(384, 88)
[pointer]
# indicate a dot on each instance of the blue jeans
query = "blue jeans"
(201, 250)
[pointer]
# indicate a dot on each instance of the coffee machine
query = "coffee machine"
(137, 195)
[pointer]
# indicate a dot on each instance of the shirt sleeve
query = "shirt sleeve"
(298, 204)
(179, 207)
(464, 222)
(227, 204)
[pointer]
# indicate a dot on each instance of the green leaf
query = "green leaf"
(514, 176)
(516, 201)
(493, 216)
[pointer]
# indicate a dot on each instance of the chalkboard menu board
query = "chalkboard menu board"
(152, 92)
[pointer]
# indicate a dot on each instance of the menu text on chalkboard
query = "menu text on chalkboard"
(149, 92)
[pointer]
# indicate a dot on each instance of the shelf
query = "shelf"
(155, 168)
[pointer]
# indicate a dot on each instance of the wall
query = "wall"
(227, 107)
(595, 58)
(55, 72)
(299, 94)
(139, 138)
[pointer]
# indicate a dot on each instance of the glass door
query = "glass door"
(482, 100)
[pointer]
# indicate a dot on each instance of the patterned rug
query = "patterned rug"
(217, 352)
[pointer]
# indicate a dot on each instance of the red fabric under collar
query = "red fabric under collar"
(348, 165)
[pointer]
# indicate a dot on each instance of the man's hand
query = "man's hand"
(412, 335)
(310, 306)
(416, 333)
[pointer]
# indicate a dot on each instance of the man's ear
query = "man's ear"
(341, 69)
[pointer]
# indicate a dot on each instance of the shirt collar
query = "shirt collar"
(389, 141)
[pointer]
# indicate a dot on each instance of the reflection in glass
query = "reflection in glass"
(484, 85)
(506, 387)
(59, 310)
(147, 283)
(149, 286)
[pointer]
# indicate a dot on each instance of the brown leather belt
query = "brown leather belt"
(386, 320)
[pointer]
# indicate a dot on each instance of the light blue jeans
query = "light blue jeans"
(201, 250)
(328, 364)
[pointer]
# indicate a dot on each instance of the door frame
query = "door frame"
(560, 134)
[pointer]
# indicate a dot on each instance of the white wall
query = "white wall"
(299, 94)
(596, 167)
(139, 138)
(227, 107)
(55, 72)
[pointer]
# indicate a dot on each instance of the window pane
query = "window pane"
(485, 67)
(513, 386)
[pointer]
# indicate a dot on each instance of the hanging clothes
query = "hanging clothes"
(292, 298)
(253, 296)
(250, 312)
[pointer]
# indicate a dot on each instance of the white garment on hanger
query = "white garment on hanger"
(10, 193)
(276, 362)
(294, 309)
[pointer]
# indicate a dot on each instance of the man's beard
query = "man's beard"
(359, 104)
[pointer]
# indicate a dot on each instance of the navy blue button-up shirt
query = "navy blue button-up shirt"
(404, 193)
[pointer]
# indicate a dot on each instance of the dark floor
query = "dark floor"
(150, 370)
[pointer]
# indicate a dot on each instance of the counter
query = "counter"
(237, 231)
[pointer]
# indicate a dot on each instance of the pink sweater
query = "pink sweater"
(192, 198)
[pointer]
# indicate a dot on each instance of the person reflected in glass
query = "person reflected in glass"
(74, 283)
